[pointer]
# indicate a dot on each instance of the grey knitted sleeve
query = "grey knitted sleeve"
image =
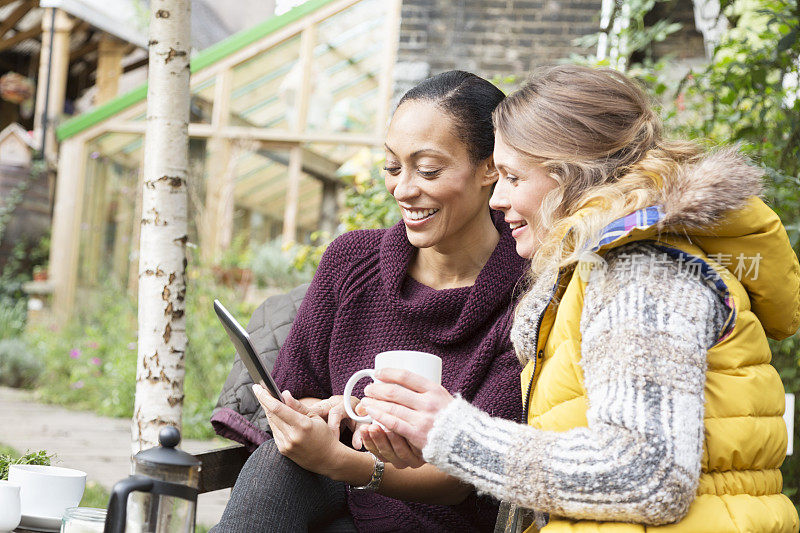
(645, 327)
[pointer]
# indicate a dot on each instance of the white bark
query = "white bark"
(162, 248)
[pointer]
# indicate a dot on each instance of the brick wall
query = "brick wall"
(488, 37)
(501, 37)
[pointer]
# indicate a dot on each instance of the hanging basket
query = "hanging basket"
(15, 88)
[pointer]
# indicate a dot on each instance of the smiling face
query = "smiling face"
(441, 192)
(519, 192)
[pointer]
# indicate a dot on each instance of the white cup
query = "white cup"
(425, 364)
(45, 491)
(10, 513)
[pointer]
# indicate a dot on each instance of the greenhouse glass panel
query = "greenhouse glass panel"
(196, 184)
(202, 102)
(261, 185)
(261, 92)
(337, 154)
(348, 57)
(108, 223)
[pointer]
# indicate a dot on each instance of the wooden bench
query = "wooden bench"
(221, 467)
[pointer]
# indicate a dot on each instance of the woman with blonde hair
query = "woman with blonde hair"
(657, 276)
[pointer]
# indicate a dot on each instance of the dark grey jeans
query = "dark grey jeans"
(273, 493)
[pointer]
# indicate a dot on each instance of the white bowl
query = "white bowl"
(45, 491)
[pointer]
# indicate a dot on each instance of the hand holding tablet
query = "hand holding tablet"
(247, 353)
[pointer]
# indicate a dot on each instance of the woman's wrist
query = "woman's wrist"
(353, 467)
(445, 427)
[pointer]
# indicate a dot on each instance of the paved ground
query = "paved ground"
(97, 445)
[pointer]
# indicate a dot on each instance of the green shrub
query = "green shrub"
(18, 367)
(13, 313)
(24, 256)
(368, 203)
(273, 266)
(209, 353)
(90, 363)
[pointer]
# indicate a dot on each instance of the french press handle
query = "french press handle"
(118, 502)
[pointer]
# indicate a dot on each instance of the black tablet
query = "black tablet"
(244, 347)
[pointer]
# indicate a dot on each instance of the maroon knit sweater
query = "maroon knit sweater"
(361, 302)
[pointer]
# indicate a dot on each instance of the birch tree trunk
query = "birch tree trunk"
(162, 248)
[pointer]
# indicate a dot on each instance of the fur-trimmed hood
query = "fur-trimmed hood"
(715, 204)
(703, 192)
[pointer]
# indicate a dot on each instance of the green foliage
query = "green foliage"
(238, 254)
(18, 367)
(626, 36)
(750, 88)
(9, 457)
(25, 255)
(12, 317)
(749, 94)
(306, 257)
(209, 353)
(95, 495)
(90, 363)
(274, 266)
(368, 205)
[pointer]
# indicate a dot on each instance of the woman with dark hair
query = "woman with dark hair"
(440, 281)
(657, 276)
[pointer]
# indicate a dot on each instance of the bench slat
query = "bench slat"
(221, 467)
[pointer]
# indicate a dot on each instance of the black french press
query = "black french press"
(163, 491)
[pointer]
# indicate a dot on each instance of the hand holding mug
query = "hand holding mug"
(425, 364)
(387, 445)
(405, 404)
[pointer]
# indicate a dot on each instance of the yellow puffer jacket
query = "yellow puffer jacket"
(745, 436)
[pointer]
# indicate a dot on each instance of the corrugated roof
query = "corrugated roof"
(119, 18)
(124, 19)
(31, 19)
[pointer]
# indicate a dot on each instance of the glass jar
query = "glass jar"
(83, 520)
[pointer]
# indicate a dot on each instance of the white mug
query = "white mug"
(425, 364)
(10, 514)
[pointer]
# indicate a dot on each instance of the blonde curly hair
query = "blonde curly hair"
(596, 134)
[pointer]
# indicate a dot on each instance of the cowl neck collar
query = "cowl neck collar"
(449, 315)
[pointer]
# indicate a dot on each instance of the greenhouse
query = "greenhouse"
(276, 111)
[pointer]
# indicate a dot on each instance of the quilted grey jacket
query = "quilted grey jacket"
(238, 416)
